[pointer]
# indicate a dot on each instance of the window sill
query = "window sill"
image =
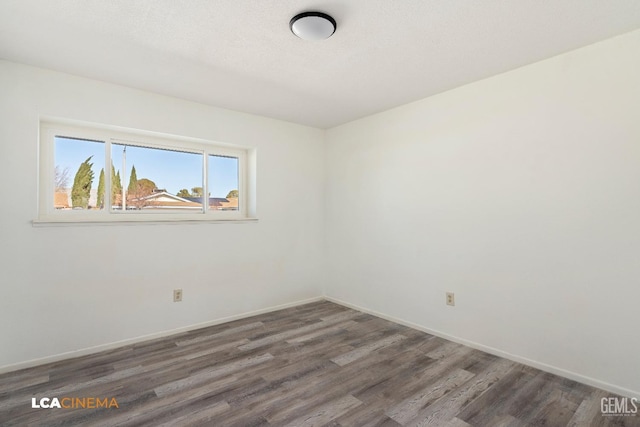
(62, 222)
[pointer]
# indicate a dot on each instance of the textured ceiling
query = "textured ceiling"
(240, 54)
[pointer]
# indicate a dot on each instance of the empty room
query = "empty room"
(308, 213)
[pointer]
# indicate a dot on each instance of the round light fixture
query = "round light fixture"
(312, 25)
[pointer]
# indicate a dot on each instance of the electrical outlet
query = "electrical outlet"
(177, 295)
(451, 299)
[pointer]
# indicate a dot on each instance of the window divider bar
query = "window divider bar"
(107, 176)
(205, 182)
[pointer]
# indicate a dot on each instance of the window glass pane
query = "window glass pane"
(223, 183)
(78, 183)
(156, 179)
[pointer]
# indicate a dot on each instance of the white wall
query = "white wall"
(521, 194)
(71, 288)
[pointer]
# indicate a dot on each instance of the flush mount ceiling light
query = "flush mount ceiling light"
(312, 25)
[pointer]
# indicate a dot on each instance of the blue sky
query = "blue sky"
(170, 170)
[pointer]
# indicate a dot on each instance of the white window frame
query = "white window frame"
(47, 214)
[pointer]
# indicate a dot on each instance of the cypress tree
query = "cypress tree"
(116, 185)
(133, 182)
(100, 201)
(81, 190)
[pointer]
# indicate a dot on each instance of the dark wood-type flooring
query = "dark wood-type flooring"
(312, 365)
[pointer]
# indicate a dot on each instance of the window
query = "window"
(100, 175)
(223, 182)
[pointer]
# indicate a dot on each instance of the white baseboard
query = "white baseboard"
(542, 366)
(538, 365)
(162, 334)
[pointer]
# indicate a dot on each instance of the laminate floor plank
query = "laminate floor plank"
(365, 415)
(498, 400)
(380, 383)
(423, 372)
(363, 351)
(319, 364)
(588, 410)
(211, 338)
(557, 411)
(325, 413)
(449, 405)
(411, 407)
(457, 422)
